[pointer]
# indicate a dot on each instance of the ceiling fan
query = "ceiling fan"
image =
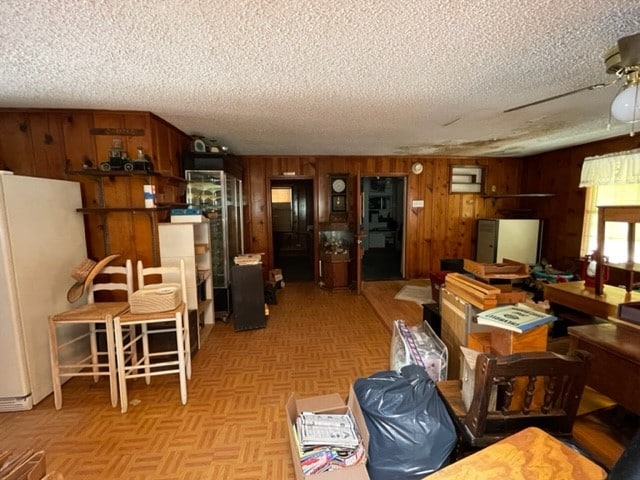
(623, 61)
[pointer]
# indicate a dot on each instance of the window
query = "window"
(615, 245)
(281, 212)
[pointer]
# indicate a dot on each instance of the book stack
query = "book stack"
(248, 259)
(517, 318)
(327, 442)
(186, 215)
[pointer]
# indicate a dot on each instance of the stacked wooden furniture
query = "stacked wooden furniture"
(463, 297)
(479, 294)
(501, 275)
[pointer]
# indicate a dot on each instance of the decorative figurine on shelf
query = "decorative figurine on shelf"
(142, 163)
(335, 246)
(118, 159)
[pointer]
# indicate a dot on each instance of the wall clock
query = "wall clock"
(338, 185)
(199, 145)
(338, 198)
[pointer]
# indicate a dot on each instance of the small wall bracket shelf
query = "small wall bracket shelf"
(103, 210)
(497, 196)
(90, 172)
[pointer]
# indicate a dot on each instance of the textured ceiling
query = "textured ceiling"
(326, 77)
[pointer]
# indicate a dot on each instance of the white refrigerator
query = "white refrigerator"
(516, 239)
(41, 241)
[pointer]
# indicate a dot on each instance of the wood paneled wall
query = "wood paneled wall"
(44, 143)
(444, 228)
(52, 143)
(558, 172)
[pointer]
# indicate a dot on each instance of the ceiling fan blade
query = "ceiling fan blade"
(629, 47)
(566, 94)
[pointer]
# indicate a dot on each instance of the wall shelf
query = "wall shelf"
(497, 196)
(91, 172)
(518, 195)
(123, 209)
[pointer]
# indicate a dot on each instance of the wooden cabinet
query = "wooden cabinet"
(335, 273)
(191, 242)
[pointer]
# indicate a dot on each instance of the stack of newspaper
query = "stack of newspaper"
(327, 442)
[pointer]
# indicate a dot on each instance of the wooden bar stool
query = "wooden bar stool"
(169, 275)
(75, 351)
(164, 360)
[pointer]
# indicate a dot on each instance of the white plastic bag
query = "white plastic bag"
(420, 346)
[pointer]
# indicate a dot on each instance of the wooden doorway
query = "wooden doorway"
(292, 216)
(383, 223)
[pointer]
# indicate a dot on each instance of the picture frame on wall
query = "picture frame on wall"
(466, 179)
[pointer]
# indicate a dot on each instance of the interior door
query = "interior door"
(382, 201)
(292, 216)
(359, 233)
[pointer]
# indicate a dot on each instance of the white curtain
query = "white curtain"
(612, 169)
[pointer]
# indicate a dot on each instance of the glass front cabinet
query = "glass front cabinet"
(219, 194)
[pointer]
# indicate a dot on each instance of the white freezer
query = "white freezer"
(515, 239)
(41, 240)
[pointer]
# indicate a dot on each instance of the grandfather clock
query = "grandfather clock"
(335, 256)
(338, 187)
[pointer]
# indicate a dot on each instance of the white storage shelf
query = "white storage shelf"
(191, 242)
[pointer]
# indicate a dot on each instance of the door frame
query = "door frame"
(268, 205)
(361, 211)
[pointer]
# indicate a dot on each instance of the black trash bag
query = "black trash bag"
(410, 431)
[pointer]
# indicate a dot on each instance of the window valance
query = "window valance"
(611, 169)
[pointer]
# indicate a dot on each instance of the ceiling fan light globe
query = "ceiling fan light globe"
(626, 106)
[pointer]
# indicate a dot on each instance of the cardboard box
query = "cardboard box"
(328, 404)
(275, 275)
(276, 278)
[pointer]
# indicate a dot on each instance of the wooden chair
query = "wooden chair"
(541, 389)
(169, 275)
(68, 350)
(173, 360)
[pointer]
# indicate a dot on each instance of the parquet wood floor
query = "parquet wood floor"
(380, 296)
(233, 426)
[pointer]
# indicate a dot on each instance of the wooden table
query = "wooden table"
(529, 454)
(615, 362)
(574, 295)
